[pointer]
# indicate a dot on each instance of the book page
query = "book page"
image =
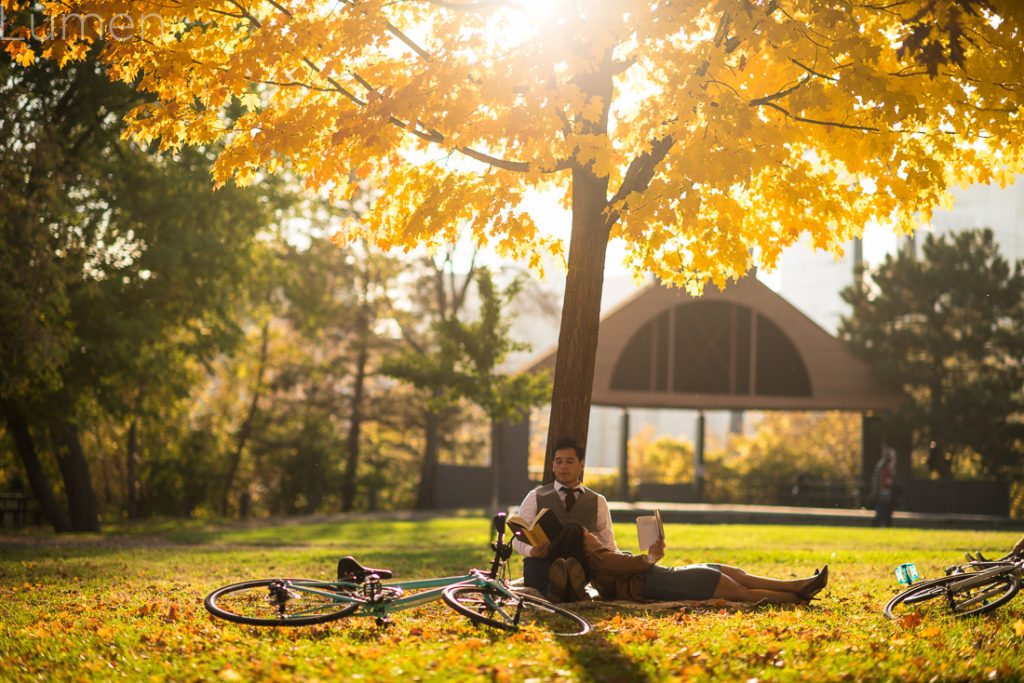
(648, 530)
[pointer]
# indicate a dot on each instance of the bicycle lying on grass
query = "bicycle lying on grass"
(481, 595)
(980, 585)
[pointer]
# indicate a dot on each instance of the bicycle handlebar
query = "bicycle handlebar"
(499, 525)
(502, 550)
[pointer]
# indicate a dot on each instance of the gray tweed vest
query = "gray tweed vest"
(584, 512)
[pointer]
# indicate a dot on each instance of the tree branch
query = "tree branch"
(802, 119)
(638, 176)
(470, 6)
(412, 127)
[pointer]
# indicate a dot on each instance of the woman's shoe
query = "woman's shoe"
(815, 585)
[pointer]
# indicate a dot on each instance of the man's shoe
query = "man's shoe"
(577, 589)
(559, 577)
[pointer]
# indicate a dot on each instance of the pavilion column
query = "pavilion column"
(870, 450)
(624, 457)
(698, 460)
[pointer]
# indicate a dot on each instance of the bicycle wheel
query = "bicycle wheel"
(923, 592)
(959, 595)
(281, 602)
(490, 606)
(985, 597)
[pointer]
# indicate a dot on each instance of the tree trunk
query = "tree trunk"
(496, 460)
(37, 480)
(75, 471)
(245, 429)
(581, 305)
(939, 460)
(581, 314)
(131, 484)
(428, 472)
(348, 491)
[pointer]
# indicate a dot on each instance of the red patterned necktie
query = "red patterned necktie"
(570, 498)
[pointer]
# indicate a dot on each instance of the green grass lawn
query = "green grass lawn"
(128, 605)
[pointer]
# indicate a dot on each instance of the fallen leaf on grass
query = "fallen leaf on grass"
(1018, 627)
(910, 620)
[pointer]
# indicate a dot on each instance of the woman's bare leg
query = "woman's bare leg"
(753, 582)
(730, 589)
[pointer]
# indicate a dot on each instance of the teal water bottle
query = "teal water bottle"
(906, 573)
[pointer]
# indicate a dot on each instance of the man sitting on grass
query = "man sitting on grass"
(570, 501)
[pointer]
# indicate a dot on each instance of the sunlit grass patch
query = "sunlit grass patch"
(129, 606)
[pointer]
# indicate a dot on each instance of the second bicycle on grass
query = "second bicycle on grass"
(977, 586)
(482, 595)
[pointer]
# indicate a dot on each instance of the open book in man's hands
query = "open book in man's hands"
(649, 529)
(544, 527)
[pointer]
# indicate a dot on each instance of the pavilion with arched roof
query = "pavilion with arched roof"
(741, 348)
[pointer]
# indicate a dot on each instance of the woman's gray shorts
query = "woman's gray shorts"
(692, 582)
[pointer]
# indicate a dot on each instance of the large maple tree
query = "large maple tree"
(708, 134)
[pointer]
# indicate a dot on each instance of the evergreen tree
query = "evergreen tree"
(946, 327)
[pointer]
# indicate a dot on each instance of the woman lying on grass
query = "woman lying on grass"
(621, 576)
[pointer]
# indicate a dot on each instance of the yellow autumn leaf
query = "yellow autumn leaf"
(732, 133)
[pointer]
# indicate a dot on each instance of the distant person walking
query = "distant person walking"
(884, 487)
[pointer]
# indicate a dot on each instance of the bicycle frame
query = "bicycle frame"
(482, 596)
(380, 600)
(379, 605)
(974, 579)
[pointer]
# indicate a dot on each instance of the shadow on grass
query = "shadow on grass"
(604, 660)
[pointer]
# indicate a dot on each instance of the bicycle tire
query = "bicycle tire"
(274, 602)
(954, 596)
(492, 607)
(921, 592)
(984, 597)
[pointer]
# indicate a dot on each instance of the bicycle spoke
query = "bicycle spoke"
(280, 602)
(491, 606)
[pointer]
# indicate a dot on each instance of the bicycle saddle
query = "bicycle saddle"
(350, 570)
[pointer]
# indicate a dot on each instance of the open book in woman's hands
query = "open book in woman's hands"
(649, 529)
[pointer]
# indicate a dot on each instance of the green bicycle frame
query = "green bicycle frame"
(428, 590)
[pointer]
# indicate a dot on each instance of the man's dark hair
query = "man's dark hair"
(566, 442)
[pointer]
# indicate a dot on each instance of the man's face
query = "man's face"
(568, 467)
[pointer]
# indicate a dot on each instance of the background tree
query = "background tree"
(332, 309)
(660, 459)
(698, 132)
(116, 267)
(466, 364)
(438, 294)
(946, 327)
